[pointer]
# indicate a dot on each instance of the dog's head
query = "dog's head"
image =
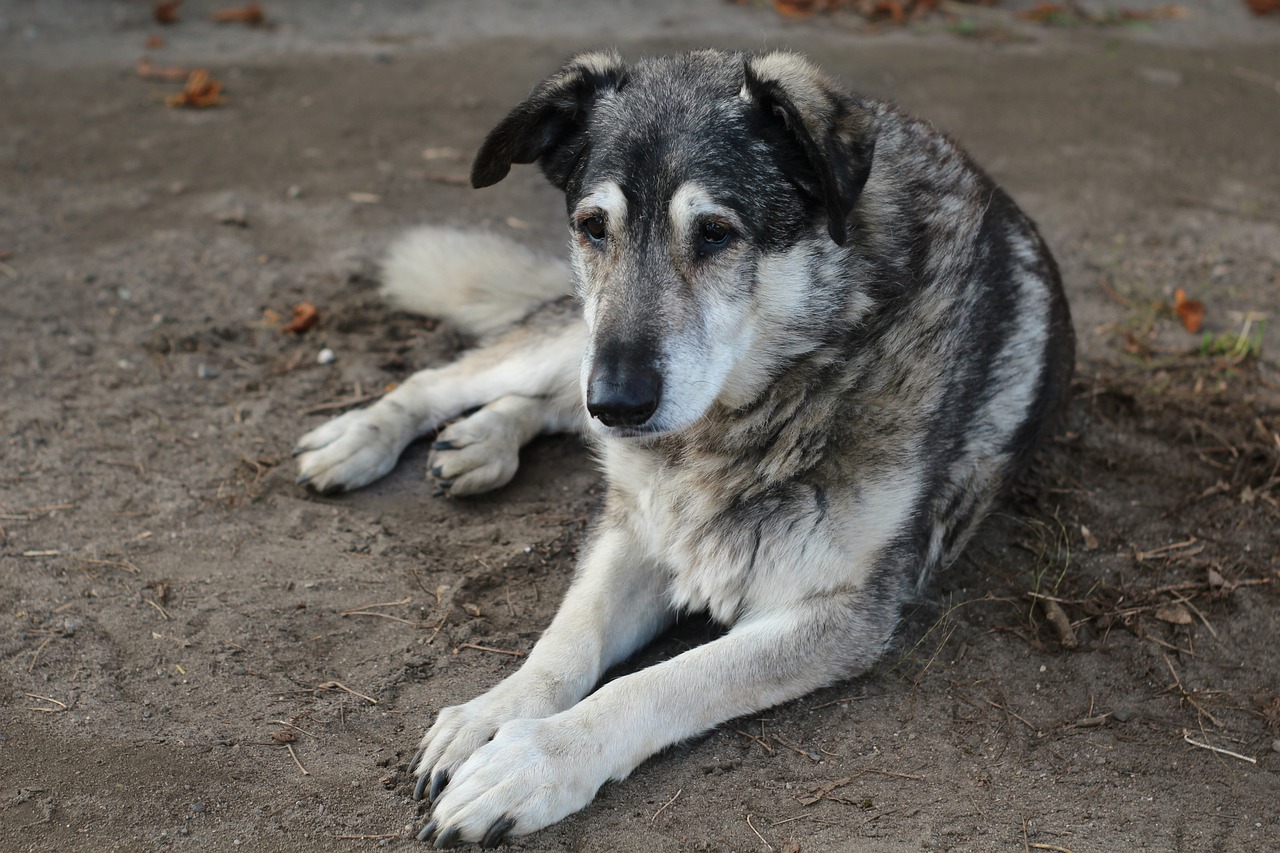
(695, 187)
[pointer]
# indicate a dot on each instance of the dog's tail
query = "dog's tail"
(479, 282)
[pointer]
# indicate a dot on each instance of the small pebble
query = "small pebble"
(197, 807)
(1120, 715)
(204, 371)
(326, 356)
(1275, 745)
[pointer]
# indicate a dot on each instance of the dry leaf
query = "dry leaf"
(147, 71)
(1190, 311)
(1043, 12)
(1264, 7)
(892, 9)
(305, 315)
(201, 91)
(1174, 614)
(167, 12)
(251, 14)
(795, 8)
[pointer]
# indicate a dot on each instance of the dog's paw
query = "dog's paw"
(352, 450)
(532, 774)
(477, 454)
(462, 729)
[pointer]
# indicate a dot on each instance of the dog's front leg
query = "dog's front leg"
(536, 771)
(358, 447)
(616, 604)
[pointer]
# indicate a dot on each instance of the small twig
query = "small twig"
(1012, 713)
(1141, 556)
(162, 611)
(790, 819)
(1053, 847)
(1186, 694)
(489, 649)
(407, 600)
(766, 746)
(294, 756)
(292, 726)
(364, 837)
(52, 553)
(1058, 619)
(664, 805)
(443, 619)
(36, 654)
(123, 564)
(379, 615)
(796, 749)
(1090, 722)
(338, 685)
(61, 705)
(1186, 735)
(1196, 611)
(758, 835)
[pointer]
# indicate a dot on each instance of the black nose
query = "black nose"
(622, 391)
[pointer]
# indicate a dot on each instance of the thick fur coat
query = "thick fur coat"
(813, 343)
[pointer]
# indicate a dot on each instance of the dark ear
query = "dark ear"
(550, 125)
(835, 133)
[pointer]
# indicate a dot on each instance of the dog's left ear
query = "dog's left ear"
(550, 125)
(836, 133)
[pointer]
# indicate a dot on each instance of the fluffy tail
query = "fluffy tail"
(479, 282)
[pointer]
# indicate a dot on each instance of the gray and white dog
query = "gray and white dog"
(815, 345)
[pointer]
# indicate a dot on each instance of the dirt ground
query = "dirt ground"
(198, 654)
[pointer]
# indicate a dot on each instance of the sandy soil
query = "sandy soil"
(197, 654)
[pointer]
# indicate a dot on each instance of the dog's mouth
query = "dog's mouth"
(641, 431)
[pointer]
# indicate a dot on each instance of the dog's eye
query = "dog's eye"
(594, 227)
(715, 234)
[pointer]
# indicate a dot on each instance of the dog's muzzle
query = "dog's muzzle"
(623, 391)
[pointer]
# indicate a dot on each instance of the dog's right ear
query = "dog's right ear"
(550, 126)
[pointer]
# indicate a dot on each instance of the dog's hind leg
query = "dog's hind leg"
(538, 359)
(482, 451)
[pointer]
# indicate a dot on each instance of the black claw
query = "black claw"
(452, 837)
(437, 784)
(303, 479)
(437, 471)
(443, 445)
(422, 784)
(298, 451)
(428, 832)
(497, 833)
(417, 756)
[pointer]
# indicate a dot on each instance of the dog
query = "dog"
(813, 345)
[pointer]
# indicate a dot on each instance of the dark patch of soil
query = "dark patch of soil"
(175, 608)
